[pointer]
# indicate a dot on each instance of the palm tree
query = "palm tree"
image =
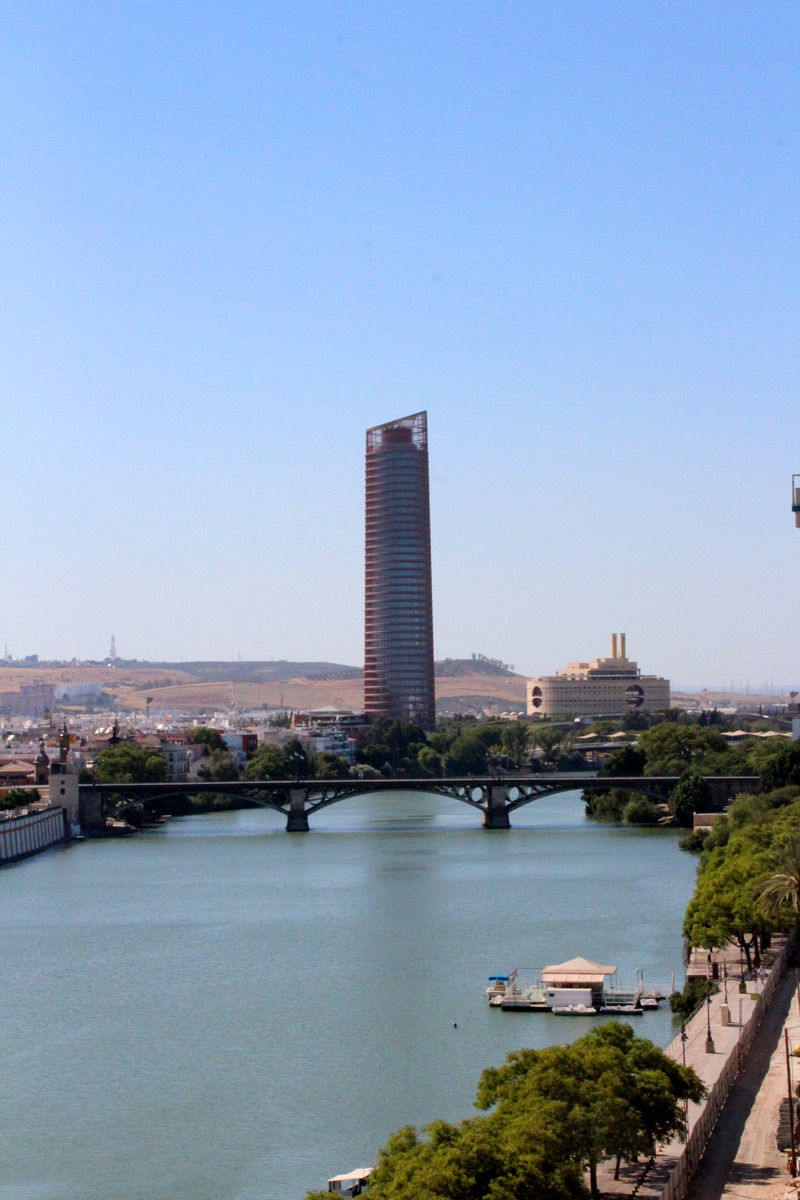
(783, 887)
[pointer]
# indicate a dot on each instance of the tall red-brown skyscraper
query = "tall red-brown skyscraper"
(398, 620)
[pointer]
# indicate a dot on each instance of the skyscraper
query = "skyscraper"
(398, 618)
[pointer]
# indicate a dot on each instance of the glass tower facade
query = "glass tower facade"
(398, 620)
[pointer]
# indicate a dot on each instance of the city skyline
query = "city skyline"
(236, 238)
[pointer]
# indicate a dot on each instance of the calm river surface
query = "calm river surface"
(221, 1011)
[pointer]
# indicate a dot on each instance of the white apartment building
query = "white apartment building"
(604, 687)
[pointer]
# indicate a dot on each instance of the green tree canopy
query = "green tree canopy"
(515, 741)
(557, 1112)
(19, 797)
(617, 1095)
(268, 762)
(728, 901)
(429, 762)
(670, 749)
(126, 763)
(691, 795)
(781, 891)
(212, 739)
(392, 742)
(628, 760)
(468, 754)
(220, 766)
(331, 766)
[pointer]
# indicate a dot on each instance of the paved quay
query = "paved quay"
(741, 1160)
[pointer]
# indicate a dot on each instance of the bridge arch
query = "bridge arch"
(495, 796)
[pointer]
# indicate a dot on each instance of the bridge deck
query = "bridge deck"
(497, 796)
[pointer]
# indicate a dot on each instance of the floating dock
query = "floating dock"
(578, 987)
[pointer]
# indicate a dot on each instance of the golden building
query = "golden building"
(605, 687)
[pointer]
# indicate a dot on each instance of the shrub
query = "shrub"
(640, 811)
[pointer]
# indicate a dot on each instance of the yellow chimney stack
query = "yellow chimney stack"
(613, 645)
(622, 653)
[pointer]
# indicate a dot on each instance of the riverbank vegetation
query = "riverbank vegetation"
(748, 880)
(557, 1114)
(690, 751)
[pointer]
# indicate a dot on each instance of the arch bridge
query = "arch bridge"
(496, 797)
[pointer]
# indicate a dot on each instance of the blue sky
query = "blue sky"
(233, 235)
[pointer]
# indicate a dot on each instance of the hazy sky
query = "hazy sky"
(236, 234)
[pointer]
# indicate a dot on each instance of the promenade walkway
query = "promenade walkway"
(741, 1161)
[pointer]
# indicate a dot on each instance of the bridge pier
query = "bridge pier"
(495, 815)
(297, 818)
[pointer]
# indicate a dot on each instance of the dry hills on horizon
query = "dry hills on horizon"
(471, 684)
(478, 684)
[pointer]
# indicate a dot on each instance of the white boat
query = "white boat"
(498, 986)
(574, 1010)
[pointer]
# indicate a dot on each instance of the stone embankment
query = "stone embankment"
(22, 836)
(733, 1028)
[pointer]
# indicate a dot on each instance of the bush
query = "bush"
(695, 991)
(331, 766)
(640, 811)
(694, 841)
(364, 771)
(606, 806)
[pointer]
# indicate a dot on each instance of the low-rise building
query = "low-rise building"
(241, 746)
(178, 759)
(320, 742)
(604, 687)
(28, 700)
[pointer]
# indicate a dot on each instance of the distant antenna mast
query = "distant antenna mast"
(112, 654)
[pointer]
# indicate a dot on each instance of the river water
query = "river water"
(220, 1011)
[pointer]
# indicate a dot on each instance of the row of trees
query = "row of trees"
(690, 751)
(748, 882)
(19, 797)
(557, 1114)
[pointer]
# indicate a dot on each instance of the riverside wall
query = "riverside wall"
(20, 837)
(718, 1072)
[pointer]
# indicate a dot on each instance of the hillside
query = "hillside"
(479, 664)
(462, 684)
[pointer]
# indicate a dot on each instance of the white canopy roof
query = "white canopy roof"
(577, 970)
(355, 1176)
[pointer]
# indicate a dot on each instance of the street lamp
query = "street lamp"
(710, 1049)
(791, 1103)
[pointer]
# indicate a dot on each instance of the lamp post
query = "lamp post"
(791, 1103)
(725, 979)
(742, 984)
(684, 1039)
(710, 1049)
